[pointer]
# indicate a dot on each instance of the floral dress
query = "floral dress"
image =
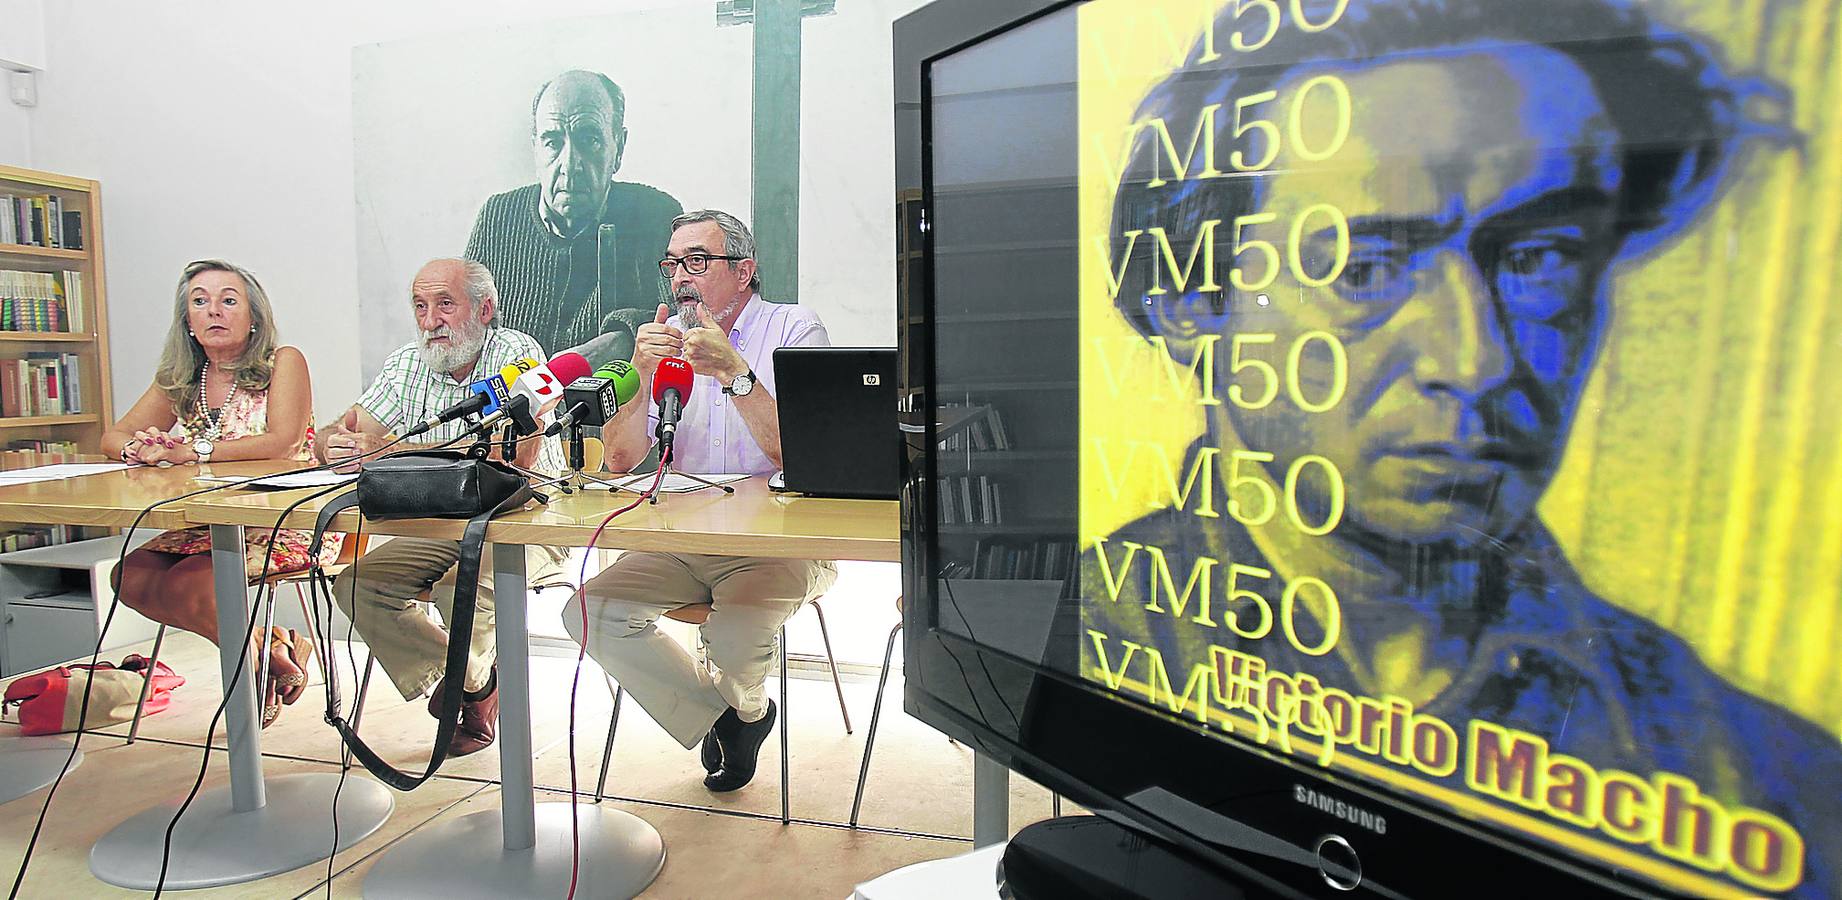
(247, 414)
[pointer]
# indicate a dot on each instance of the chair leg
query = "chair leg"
(134, 730)
(786, 802)
(607, 752)
(876, 712)
(832, 661)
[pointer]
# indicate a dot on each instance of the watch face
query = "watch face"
(742, 385)
(201, 447)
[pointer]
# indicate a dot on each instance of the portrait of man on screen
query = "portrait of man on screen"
(1392, 293)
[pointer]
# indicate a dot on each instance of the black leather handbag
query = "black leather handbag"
(428, 484)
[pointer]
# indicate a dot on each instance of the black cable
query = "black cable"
(83, 708)
(204, 764)
(332, 689)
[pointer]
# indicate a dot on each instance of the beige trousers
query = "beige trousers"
(750, 598)
(379, 593)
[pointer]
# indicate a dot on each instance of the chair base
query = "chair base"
(466, 859)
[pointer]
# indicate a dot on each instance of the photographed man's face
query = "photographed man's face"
(577, 145)
(450, 330)
(1479, 188)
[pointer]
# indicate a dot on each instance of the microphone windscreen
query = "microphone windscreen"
(510, 373)
(672, 373)
(568, 366)
(625, 378)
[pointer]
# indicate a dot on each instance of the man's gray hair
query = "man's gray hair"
(737, 239)
(477, 280)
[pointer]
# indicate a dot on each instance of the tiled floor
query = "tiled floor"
(918, 805)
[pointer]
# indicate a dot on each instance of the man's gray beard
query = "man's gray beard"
(687, 298)
(462, 349)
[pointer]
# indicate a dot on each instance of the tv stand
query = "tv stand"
(1090, 858)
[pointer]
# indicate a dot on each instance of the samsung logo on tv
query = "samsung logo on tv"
(1345, 811)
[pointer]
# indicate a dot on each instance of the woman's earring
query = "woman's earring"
(252, 329)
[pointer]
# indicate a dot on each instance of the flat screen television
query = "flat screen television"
(1385, 444)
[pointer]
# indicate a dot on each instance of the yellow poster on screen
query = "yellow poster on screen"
(1457, 407)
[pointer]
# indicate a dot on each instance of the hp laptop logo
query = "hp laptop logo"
(872, 380)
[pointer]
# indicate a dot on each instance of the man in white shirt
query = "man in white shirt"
(456, 307)
(730, 424)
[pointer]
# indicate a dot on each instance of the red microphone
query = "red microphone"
(671, 386)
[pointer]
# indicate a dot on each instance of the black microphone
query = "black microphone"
(578, 414)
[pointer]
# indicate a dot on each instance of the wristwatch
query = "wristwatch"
(203, 448)
(742, 385)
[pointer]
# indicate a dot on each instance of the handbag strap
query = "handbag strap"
(460, 631)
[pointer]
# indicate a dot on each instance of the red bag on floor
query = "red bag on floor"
(49, 701)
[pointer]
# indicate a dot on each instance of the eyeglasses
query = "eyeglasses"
(694, 263)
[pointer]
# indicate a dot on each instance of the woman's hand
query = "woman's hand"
(170, 453)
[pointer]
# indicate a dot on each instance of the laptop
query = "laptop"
(838, 434)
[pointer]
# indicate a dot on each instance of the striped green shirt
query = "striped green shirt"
(407, 392)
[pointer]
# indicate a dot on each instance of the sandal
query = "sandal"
(285, 688)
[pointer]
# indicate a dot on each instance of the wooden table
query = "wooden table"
(255, 829)
(523, 848)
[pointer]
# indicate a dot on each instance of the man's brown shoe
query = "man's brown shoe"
(479, 719)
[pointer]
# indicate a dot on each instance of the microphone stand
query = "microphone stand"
(578, 462)
(665, 460)
(481, 448)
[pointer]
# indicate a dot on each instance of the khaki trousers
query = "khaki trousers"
(750, 599)
(379, 593)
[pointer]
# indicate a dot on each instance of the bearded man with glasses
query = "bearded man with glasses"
(728, 334)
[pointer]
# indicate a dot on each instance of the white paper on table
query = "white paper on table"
(58, 472)
(289, 480)
(675, 483)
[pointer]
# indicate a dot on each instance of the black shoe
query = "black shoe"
(712, 754)
(740, 743)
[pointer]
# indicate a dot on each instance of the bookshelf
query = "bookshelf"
(1004, 410)
(53, 338)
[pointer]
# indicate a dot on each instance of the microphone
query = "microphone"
(671, 386)
(537, 389)
(488, 394)
(593, 400)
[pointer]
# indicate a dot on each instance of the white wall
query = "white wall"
(220, 128)
(22, 45)
(15, 133)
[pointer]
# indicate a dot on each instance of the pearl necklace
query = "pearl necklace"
(204, 403)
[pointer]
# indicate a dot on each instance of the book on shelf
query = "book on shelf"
(975, 426)
(27, 537)
(1037, 560)
(38, 452)
(41, 301)
(41, 384)
(40, 220)
(966, 500)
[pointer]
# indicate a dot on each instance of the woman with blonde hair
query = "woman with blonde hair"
(223, 391)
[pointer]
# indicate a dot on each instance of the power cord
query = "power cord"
(102, 636)
(204, 763)
(575, 681)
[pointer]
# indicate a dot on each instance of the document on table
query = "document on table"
(289, 480)
(675, 483)
(57, 472)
